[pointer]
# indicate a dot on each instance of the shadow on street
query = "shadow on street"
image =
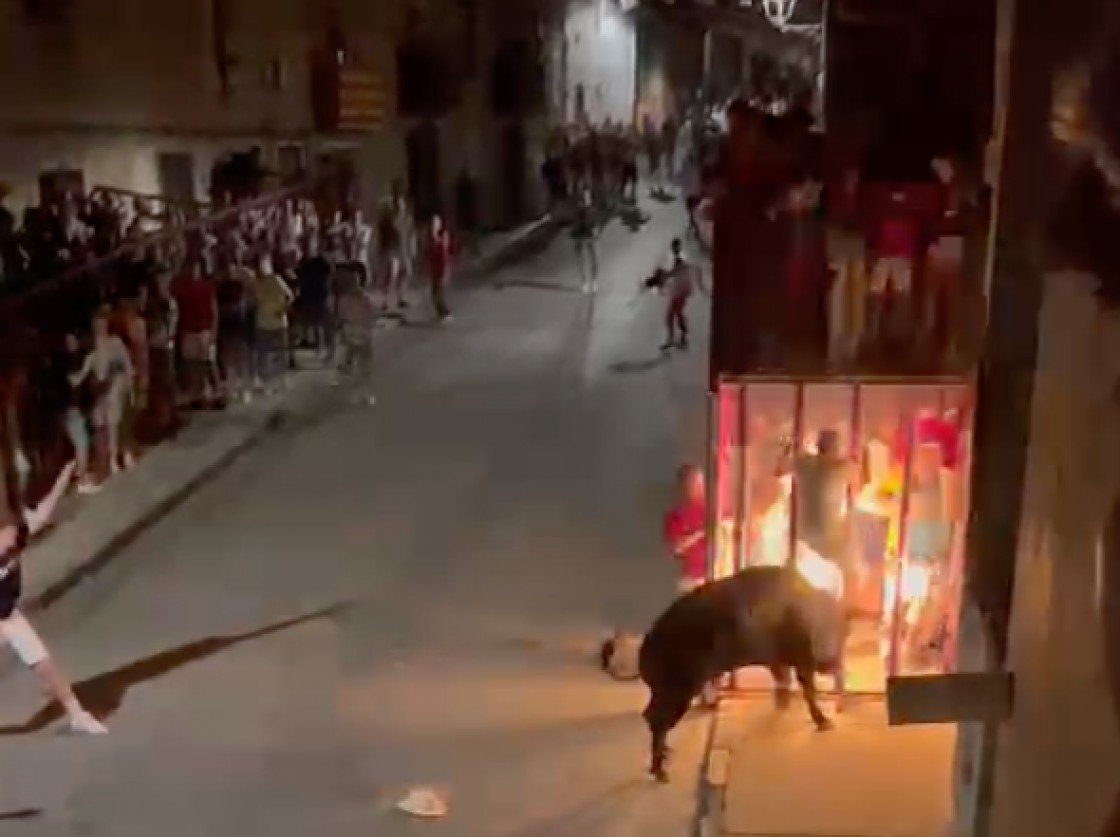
(104, 694)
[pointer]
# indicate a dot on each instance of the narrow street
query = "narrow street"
(447, 562)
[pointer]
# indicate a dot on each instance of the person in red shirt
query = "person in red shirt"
(896, 245)
(686, 530)
(439, 266)
(198, 320)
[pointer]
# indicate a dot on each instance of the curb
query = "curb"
(98, 558)
(715, 771)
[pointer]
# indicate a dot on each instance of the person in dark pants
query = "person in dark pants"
(681, 283)
(313, 278)
(439, 266)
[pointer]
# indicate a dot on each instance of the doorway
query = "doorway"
(423, 162)
(175, 171)
(513, 165)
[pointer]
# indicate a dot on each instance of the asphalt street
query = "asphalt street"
(402, 595)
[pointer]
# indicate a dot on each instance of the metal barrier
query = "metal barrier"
(34, 318)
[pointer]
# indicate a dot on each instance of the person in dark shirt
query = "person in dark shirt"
(313, 278)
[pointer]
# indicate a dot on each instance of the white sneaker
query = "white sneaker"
(84, 723)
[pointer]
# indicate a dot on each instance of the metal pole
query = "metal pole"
(798, 432)
(711, 480)
(743, 522)
(903, 537)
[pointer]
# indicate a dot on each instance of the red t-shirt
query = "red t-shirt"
(683, 521)
(439, 256)
(898, 238)
(196, 305)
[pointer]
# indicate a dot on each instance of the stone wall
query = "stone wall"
(1057, 766)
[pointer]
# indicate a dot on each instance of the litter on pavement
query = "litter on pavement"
(424, 803)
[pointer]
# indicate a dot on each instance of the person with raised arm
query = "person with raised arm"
(14, 627)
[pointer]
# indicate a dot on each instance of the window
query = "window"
(51, 12)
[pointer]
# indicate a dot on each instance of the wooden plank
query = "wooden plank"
(986, 697)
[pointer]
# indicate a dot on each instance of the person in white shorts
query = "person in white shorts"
(14, 627)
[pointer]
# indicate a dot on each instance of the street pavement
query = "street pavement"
(398, 596)
(863, 779)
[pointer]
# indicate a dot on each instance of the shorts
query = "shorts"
(894, 273)
(199, 347)
(844, 247)
(23, 639)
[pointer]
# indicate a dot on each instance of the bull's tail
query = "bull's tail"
(607, 662)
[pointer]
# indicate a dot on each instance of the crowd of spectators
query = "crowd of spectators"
(119, 322)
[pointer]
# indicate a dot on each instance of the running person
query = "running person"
(683, 280)
(15, 628)
(584, 234)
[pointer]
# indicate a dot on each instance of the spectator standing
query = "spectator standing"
(134, 330)
(108, 369)
(234, 291)
(15, 628)
(686, 530)
(392, 263)
(198, 321)
(403, 219)
(313, 280)
(357, 314)
(273, 302)
(583, 234)
(439, 266)
(161, 315)
(72, 401)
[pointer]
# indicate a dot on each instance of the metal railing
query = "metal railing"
(34, 319)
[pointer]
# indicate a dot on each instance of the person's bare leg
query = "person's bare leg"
(29, 647)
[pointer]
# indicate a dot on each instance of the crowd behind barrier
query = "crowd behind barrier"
(121, 314)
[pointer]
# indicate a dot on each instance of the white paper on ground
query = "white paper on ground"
(425, 803)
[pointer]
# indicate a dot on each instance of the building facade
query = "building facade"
(147, 97)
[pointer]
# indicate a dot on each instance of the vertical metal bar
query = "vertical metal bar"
(743, 522)
(903, 550)
(962, 478)
(712, 480)
(855, 443)
(798, 447)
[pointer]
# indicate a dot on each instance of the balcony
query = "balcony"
(884, 289)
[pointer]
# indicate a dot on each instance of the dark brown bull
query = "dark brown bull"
(762, 616)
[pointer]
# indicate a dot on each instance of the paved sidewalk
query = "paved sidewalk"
(89, 531)
(772, 775)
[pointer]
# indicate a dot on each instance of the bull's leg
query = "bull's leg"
(662, 714)
(809, 691)
(782, 686)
